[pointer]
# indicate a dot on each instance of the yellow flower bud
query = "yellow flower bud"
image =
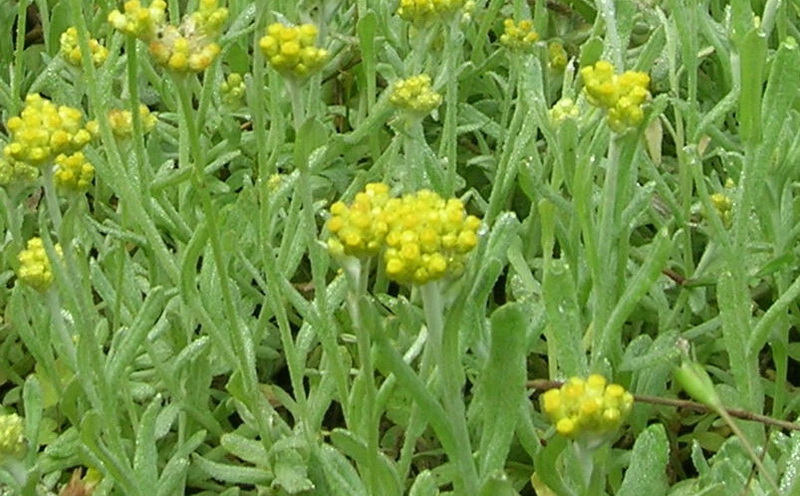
(34, 266)
(415, 95)
(12, 440)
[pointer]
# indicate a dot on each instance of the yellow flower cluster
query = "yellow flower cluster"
(563, 109)
(292, 50)
(587, 409)
(415, 95)
(723, 204)
(518, 36)
(429, 237)
(426, 11)
(423, 236)
(34, 266)
(12, 441)
(233, 89)
(121, 121)
(185, 48)
(138, 21)
(557, 56)
(210, 17)
(71, 50)
(42, 131)
(621, 95)
(73, 172)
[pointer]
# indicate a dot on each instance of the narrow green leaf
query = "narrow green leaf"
(647, 473)
(564, 330)
(498, 484)
(234, 474)
(32, 400)
(424, 485)
(753, 53)
(635, 289)
(249, 450)
(781, 92)
(734, 307)
(339, 473)
(502, 385)
(120, 358)
(145, 458)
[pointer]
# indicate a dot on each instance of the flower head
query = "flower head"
(422, 236)
(41, 132)
(518, 36)
(563, 109)
(121, 121)
(189, 47)
(71, 50)
(558, 57)
(358, 229)
(73, 172)
(621, 95)
(34, 266)
(141, 22)
(292, 50)
(12, 441)
(233, 89)
(415, 95)
(587, 409)
(723, 204)
(427, 11)
(428, 237)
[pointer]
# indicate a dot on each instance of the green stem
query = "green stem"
(444, 343)
(51, 198)
(366, 404)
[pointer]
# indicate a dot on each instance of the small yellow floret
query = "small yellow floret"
(34, 266)
(587, 409)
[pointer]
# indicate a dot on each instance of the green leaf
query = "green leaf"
(781, 92)
(498, 484)
(32, 400)
(563, 330)
(356, 449)
(145, 458)
(648, 471)
(502, 385)
(342, 478)
(424, 485)
(591, 51)
(290, 470)
(249, 450)
(753, 53)
(233, 474)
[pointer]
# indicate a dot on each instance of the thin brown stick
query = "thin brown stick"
(544, 384)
